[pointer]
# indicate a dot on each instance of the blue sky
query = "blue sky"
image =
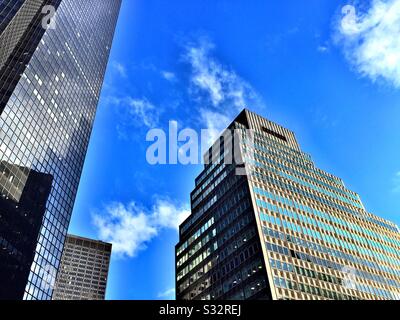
(333, 80)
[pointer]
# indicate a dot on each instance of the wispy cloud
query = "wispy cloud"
(134, 112)
(371, 41)
(396, 181)
(169, 76)
(167, 294)
(131, 227)
(215, 92)
(221, 84)
(120, 68)
(215, 122)
(218, 89)
(144, 110)
(127, 227)
(323, 48)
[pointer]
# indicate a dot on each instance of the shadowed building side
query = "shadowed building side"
(21, 215)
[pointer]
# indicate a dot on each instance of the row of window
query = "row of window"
(195, 236)
(327, 264)
(331, 252)
(294, 161)
(263, 140)
(307, 289)
(196, 261)
(283, 167)
(318, 223)
(322, 236)
(334, 218)
(284, 266)
(195, 248)
(204, 185)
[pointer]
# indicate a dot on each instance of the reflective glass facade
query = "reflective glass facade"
(50, 86)
(20, 33)
(317, 239)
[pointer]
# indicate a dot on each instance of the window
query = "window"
(275, 134)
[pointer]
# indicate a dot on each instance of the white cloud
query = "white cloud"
(222, 85)
(144, 110)
(131, 227)
(169, 76)
(323, 48)
(371, 40)
(167, 294)
(120, 68)
(219, 91)
(215, 122)
(167, 215)
(396, 181)
(135, 111)
(127, 227)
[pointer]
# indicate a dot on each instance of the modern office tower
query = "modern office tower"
(272, 225)
(21, 217)
(21, 29)
(50, 83)
(84, 270)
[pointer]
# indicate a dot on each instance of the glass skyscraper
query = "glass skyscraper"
(50, 83)
(271, 225)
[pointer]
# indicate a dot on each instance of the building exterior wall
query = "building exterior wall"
(84, 270)
(47, 115)
(317, 239)
(20, 33)
(21, 218)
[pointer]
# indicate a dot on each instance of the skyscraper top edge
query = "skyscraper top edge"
(72, 236)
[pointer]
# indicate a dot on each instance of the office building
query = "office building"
(271, 225)
(21, 218)
(21, 30)
(84, 270)
(50, 83)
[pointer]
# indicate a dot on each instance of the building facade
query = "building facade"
(50, 82)
(271, 225)
(18, 230)
(21, 30)
(84, 270)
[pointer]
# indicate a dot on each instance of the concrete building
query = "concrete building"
(84, 270)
